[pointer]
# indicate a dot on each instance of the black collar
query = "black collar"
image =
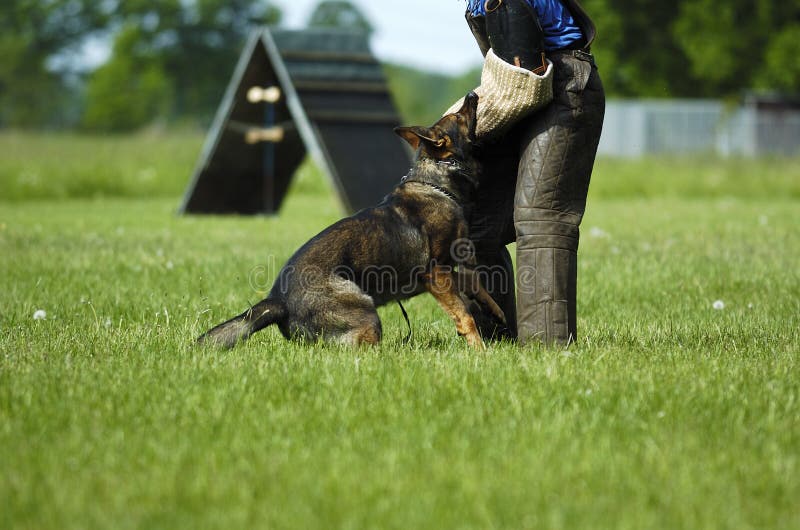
(454, 166)
(444, 191)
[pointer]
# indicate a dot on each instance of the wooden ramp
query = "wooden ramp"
(317, 91)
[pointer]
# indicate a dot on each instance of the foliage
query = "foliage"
(421, 96)
(339, 14)
(782, 69)
(131, 90)
(32, 33)
(193, 46)
(181, 53)
(636, 52)
(696, 48)
(735, 45)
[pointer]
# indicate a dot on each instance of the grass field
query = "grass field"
(669, 413)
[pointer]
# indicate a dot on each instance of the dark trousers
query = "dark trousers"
(533, 188)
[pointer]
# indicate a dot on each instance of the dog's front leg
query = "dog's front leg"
(469, 284)
(441, 285)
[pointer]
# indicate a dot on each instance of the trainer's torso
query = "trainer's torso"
(559, 27)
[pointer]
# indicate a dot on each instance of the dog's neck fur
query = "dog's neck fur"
(429, 171)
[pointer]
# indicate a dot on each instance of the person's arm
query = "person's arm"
(516, 78)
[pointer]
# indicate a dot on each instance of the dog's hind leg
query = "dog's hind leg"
(444, 289)
(365, 331)
(343, 313)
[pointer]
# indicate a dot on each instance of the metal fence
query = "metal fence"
(637, 127)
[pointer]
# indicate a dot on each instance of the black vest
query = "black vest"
(478, 25)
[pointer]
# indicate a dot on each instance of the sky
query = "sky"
(427, 34)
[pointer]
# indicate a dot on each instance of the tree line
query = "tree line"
(171, 60)
(697, 48)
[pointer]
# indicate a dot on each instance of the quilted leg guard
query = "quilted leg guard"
(556, 158)
(547, 279)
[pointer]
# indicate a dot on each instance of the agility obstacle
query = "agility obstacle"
(320, 92)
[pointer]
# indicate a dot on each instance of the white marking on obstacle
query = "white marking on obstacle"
(258, 94)
(268, 134)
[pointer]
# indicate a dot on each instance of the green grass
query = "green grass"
(667, 414)
(60, 166)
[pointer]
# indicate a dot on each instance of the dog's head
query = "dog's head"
(451, 138)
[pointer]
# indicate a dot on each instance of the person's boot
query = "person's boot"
(547, 272)
(547, 310)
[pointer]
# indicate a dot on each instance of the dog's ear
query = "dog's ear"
(415, 135)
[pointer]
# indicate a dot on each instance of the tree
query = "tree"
(781, 64)
(696, 48)
(32, 35)
(339, 14)
(741, 44)
(636, 49)
(131, 90)
(193, 45)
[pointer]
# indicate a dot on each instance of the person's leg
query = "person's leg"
(496, 272)
(557, 154)
(491, 228)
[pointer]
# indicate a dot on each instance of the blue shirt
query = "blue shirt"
(560, 29)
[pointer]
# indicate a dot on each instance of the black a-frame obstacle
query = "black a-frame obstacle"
(293, 92)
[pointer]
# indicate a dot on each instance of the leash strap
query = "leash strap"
(408, 322)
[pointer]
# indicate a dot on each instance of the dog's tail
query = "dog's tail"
(240, 327)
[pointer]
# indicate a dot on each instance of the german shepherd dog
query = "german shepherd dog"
(404, 246)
